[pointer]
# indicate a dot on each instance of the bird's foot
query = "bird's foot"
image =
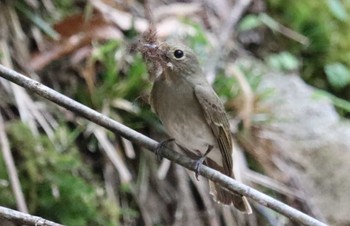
(161, 145)
(200, 160)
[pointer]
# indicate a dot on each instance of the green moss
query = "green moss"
(57, 185)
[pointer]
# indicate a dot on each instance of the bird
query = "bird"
(193, 114)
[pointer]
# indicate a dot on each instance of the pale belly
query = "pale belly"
(184, 121)
(191, 131)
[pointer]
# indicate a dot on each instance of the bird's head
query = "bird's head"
(175, 58)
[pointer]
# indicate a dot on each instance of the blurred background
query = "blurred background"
(282, 68)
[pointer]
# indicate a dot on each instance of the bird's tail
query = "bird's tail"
(224, 197)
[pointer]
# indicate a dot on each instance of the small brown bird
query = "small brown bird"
(193, 114)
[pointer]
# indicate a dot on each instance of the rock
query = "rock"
(307, 144)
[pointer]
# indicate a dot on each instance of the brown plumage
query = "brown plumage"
(193, 114)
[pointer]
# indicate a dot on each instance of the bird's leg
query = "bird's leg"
(161, 145)
(199, 162)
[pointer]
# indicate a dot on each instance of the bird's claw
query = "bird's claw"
(161, 145)
(199, 161)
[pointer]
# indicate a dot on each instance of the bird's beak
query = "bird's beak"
(150, 46)
(152, 50)
(158, 52)
(155, 51)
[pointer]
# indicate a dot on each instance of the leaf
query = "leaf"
(338, 75)
(38, 21)
(283, 61)
(337, 9)
(249, 22)
(336, 101)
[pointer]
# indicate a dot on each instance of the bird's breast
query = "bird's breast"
(182, 116)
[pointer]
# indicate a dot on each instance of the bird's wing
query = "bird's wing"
(215, 116)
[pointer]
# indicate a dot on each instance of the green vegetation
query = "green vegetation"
(56, 183)
(326, 60)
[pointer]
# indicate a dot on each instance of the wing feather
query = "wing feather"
(216, 117)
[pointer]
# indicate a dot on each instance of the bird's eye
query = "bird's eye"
(178, 54)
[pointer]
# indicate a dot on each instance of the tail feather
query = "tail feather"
(225, 197)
